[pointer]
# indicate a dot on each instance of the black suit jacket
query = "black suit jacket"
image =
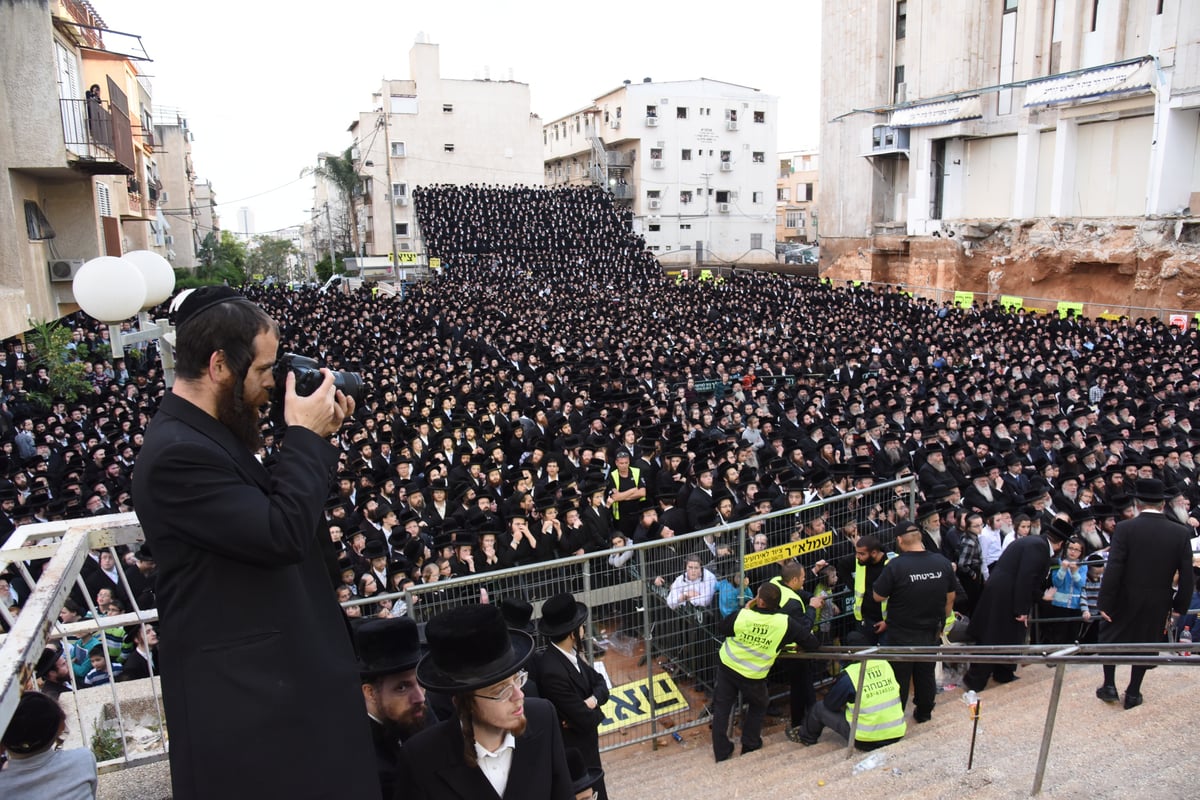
(433, 765)
(567, 688)
(1014, 585)
(1136, 591)
(250, 632)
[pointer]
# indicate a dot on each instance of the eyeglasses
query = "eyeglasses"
(506, 694)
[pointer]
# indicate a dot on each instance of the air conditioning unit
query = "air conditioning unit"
(722, 208)
(651, 122)
(62, 270)
(616, 123)
(887, 139)
(656, 163)
(162, 197)
(401, 199)
(731, 125)
(654, 203)
(726, 166)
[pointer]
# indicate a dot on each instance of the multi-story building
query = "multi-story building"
(991, 144)
(68, 157)
(695, 160)
(429, 130)
(796, 215)
(181, 230)
(207, 219)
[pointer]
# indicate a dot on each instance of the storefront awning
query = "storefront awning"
(1096, 83)
(938, 113)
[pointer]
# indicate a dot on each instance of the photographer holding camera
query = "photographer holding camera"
(252, 643)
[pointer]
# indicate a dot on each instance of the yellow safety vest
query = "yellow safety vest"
(860, 587)
(786, 594)
(634, 473)
(881, 716)
(755, 643)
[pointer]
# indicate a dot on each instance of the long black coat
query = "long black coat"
(1013, 586)
(259, 679)
(567, 688)
(433, 765)
(1146, 552)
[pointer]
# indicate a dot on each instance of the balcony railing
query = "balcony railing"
(98, 137)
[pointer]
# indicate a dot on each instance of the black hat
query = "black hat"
(518, 613)
(561, 614)
(34, 724)
(583, 777)
(191, 302)
(1149, 490)
(375, 549)
(471, 647)
(1059, 530)
(386, 646)
(46, 661)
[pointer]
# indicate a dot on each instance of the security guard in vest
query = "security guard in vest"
(801, 607)
(869, 561)
(881, 720)
(628, 495)
(754, 637)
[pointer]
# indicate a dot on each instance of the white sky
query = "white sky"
(266, 85)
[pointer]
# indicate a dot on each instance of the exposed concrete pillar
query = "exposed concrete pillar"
(1062, 186)
(1025, 179)
(1172, 153)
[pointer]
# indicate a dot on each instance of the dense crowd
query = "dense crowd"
(551, 392)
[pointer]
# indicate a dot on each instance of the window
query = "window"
(756, 241)
(795, 219)
(681, 112)
(722, 196)
(36, 224)
(685, 155)
(398, 150)
(654, 227)
(618, 112)
(724, 156)
(687, 226)
(402, 229)
(685, 197)
(1011, 5)
(449, 148)
(760, 116)
(651, 111)
(656, 152)
(653, 194)
(756, 197)
(808, 193)
(103, 202)
(399, 190)
(902, 17)
(758, 157)
(783, 194)
(731, 114)
(447, 108)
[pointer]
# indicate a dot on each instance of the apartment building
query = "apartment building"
(990, 144)
(180, 229)
(207, 219)
(77, 166)
(428, 130)
(796, 216)
(694, 160)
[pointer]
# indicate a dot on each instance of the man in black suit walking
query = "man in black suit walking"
(1135, 593)
(576, 689)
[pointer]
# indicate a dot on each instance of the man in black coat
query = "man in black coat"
(251, 634)
(1135, 594)
(477, 659)
(576, 689)
(1013, 587)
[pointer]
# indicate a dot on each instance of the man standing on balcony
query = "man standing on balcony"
(250, 636)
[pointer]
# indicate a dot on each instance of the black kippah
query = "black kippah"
(188, 304)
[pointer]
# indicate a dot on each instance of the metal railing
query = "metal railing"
(1058, 656)
(99, 133)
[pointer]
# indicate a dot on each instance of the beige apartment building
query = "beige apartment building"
(1002, 146)
(693, 160)
(796, 216)
(180, 225)
(429, 130)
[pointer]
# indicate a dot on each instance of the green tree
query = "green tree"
(49, 349)
(270, 257)
(341, 172)
(325, 271)
(226, 261)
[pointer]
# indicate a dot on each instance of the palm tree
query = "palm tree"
(340, 171)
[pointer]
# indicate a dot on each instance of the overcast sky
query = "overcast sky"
(267, 85)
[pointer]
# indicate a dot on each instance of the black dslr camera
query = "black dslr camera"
(308, 378)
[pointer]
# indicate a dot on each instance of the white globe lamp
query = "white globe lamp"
(110, 289)
(158, 274)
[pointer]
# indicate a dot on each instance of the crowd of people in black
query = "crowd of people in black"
(551, 384)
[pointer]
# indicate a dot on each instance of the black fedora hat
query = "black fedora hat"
(471, 647)
(518, 613)
(1149, 490)
(386, 646)
(583, 777)
(561, 614)
(1059, 530)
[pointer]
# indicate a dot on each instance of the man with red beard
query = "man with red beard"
(250, 633)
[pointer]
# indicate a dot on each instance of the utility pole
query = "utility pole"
(329, 228)
(387, 160)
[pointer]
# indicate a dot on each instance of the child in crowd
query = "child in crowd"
(99, 675)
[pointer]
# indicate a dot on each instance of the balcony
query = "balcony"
(98, 138)
(621, 191)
